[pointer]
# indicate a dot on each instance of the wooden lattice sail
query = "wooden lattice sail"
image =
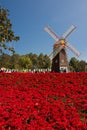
(59, 55)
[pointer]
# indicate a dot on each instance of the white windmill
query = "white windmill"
(59, 55)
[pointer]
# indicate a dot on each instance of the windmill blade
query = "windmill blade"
(55, 52)
(77, 53)
(51, 33)
(69, 31)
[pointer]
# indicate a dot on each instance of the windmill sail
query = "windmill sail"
(55, 52)
(59, 55)
(69, 31)
(77, 53)
(51, 33)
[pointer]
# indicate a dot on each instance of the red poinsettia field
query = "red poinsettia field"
(43, 101)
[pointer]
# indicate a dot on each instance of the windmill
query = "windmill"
(59, 55)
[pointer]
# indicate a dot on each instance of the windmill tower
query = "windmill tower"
(59, 55)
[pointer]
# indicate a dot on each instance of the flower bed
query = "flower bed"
(43, 101)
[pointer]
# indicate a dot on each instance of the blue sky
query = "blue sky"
(30, 16)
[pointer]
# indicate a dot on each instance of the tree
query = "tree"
(73, 64)
(44, 61)
(6, 33)
(5, 61)
(15, 61)
(28, 61)
(47, 62)
(34, 59)
(41, 60)
(25, 62)
(81, 66)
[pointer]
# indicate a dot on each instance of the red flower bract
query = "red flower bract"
(43, 101)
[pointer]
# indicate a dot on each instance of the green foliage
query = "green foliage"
(34, 61)
(5, 60)
(43, 61)
(6, 33)
(14, 61)
(25, 62)
(81, 66)
(73, 64)
(76, 65)
(29, 61)
(39, 61)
